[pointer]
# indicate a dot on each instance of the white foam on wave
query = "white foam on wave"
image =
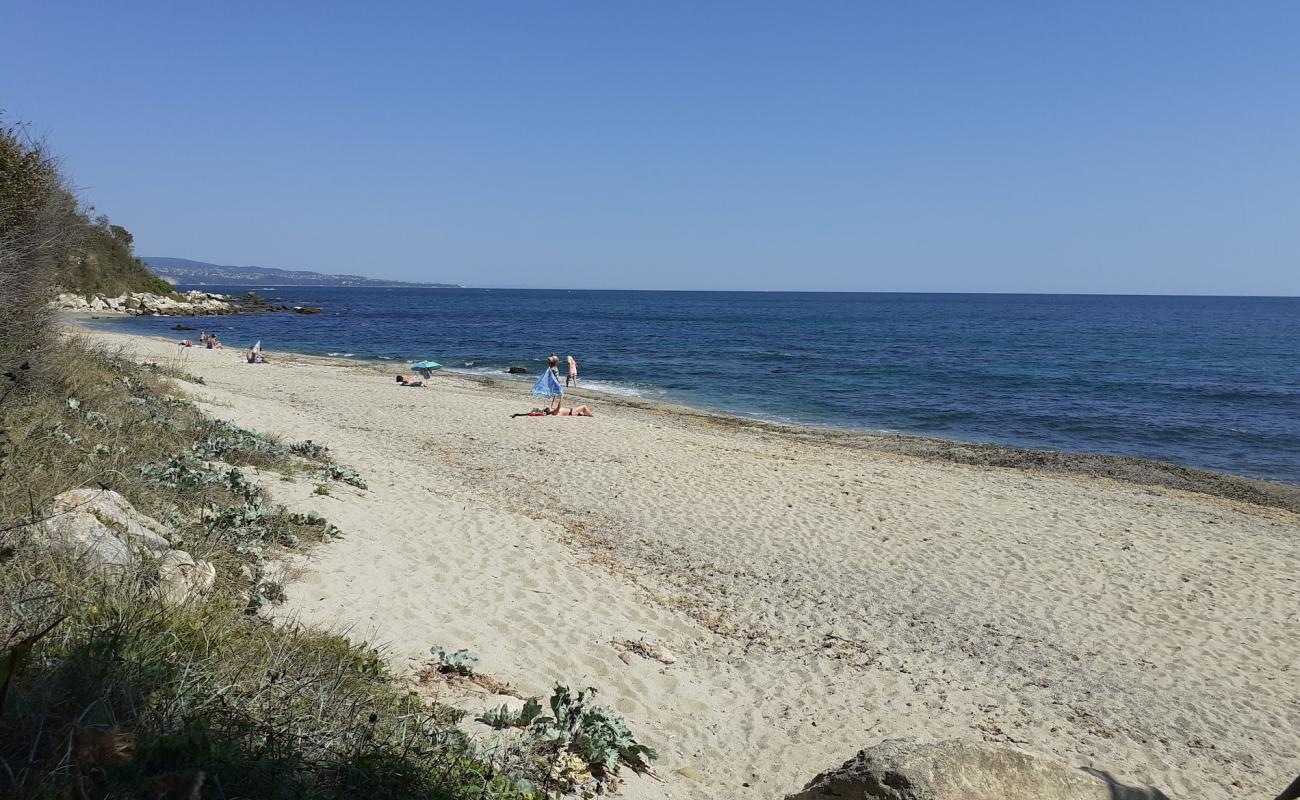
(341, 355)
(607, 387)
(494, 371)
(604, 387)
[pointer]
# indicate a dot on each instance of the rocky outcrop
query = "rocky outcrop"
(900, 769)
(102, 529)
(192, 303)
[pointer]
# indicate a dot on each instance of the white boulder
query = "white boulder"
(102, 529)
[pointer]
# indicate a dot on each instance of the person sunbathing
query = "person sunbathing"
(401, 379)
(580, 411)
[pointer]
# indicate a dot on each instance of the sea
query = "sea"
(1210, 382)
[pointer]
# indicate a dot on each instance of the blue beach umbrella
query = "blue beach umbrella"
(426, 368)
(548, 385)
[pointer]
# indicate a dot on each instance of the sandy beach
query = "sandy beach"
(818, 591)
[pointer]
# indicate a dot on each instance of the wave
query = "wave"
(604, 387)
(610, 387)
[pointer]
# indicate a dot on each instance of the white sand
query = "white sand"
(818, 598)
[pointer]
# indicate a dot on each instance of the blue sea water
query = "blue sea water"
(1210, 382)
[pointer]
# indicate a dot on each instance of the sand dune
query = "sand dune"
(818, 596)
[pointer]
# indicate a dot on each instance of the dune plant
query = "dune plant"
(460, 662)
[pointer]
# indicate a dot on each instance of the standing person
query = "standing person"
(573, 372)
(553, 364)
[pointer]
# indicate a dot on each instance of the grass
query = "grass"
(129, 696)
(125, 692)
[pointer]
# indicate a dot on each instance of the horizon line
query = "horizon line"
(465, 288)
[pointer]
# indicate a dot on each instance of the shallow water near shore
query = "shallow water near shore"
(1210, 382)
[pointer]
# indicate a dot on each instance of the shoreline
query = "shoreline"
(1123, 469)
(816, 592)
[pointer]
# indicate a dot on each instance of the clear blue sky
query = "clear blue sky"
(1149, 147)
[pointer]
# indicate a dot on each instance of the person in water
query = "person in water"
(573, 372)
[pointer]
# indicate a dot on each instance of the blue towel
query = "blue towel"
(548, 385)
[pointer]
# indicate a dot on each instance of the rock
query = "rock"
(137, 304)
(901, 769)
(659, 653)
(307, 309)
(70, 300)
(115, 515)
(517, 370)
(648, 650)
(180, 327)
(86, 537)
(106, 532)
(181, 578)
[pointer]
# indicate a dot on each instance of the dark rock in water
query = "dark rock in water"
(518, 370)
(307, 309)
(179, 327)
(898, 769)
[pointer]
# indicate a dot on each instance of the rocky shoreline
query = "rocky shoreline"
(187, 304)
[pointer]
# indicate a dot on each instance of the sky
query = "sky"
(1113, 147)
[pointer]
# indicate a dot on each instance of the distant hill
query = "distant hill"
(183, 270)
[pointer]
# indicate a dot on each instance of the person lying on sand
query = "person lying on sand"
(254, 357)
(580, 411)
(404, 382)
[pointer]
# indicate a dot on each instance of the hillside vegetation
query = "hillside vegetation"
(102, 262)
(51, 240)
(111, 687)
